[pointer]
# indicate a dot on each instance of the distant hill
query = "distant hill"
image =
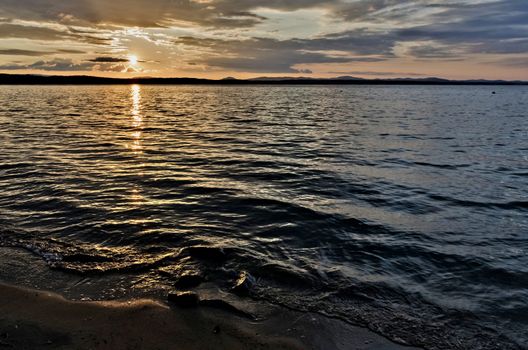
(303, 78)
(29, 79)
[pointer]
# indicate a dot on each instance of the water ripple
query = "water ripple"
(399, 208)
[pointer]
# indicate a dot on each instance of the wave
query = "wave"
(512, 205)
(330, 202)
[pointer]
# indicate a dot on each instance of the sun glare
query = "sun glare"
(133, 59)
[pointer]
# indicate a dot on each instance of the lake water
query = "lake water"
(401, 208)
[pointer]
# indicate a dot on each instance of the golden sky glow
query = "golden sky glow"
(219, 38)
(133, 60)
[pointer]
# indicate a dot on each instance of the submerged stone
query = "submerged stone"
(184, 299)
(244, 284)
(189, 280)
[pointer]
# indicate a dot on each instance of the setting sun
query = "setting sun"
(133, 59)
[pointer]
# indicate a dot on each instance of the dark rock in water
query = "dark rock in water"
(189, 280)
(244, 284)
(184, 299)
(208, 253)
(285, 276)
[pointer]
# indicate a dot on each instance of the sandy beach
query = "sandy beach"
(36, 319)
(32, 319)
(42, 320)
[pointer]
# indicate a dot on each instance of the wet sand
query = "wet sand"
(32, 319)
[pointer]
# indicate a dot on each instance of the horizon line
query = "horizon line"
(38, 79)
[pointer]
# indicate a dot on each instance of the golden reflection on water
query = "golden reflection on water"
(136, 197)
(137, 119)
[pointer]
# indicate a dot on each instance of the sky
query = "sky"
(465, 39)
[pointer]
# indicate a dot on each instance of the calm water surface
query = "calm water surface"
(400, 208)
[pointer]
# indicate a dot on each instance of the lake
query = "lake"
(400, 208)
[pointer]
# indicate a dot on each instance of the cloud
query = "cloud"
(481, 27)
(373, 9)
(428, 51)
(228, 34)
(211, 13)
(71, 51)
(379, 73)
(514, 62)
(19, 52)
(10, 30)
(66, 65)
(112, 68)
(57, 64)
(108, 59)
(140, 13)
(267, 55)
(445, 30)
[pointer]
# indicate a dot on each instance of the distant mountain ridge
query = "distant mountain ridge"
(346, 77)
(33, 79)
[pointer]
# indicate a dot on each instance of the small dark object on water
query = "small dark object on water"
(184, 299)
(216, 329)
(243, 284)
(189, 281)
(493, 92)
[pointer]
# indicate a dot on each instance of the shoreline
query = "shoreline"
(35, 319)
